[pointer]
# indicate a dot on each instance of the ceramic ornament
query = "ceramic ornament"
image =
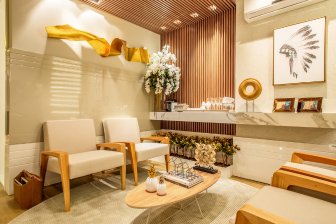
(151, 182)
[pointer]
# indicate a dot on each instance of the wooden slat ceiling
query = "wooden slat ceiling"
(154, 14)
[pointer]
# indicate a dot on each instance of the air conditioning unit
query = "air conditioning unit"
(260, 9)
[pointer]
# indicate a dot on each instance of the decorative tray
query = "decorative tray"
(184, 178)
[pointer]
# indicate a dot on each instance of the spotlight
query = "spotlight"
(163, 27)
(213, 8)
(194, 15)
(177, 22)
(96, 1)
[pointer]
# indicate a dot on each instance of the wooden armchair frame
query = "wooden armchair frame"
(63, 160)
(132, 154)
(249, 214)
(287, 176)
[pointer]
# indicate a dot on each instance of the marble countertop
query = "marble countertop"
(309, 120)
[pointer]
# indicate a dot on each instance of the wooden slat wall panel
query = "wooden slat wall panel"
(206, 55)
(152, 15)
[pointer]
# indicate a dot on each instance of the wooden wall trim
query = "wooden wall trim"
(206, 55)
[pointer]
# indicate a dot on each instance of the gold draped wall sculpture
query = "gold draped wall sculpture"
(100, 45)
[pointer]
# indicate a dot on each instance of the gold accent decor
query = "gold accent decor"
(152, 171)
(257, 89)
(100, 45)
(281, 105)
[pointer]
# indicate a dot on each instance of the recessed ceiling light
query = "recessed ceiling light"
(96, 1)
(194, 15)
(213, 7)
(163, 27)
(177, 22)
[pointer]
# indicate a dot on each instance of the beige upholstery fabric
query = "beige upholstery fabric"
(295, 207)
(232, 219)
(71, 136)
(146, 151)
(313, 169)
(121, 130)
(85, 163)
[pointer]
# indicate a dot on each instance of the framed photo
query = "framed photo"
(299, 53)
(310, 105)
(284, 105)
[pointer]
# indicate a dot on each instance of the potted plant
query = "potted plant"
(162, 77)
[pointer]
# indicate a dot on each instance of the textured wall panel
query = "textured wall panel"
(206, 55)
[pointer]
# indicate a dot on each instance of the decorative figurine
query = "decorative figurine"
(161, 187)
(205, 156)
(151, 182)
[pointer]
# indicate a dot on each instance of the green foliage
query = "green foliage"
(224, 145)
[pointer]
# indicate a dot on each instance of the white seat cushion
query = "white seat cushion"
(295, 207)
(146, 151)
(81, 164)
(312, 169)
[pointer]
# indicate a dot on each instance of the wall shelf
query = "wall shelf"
(307, 120)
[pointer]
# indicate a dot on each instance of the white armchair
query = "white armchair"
(71, 146)
(126, 130)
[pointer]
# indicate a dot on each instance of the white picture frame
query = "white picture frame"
(299, 53)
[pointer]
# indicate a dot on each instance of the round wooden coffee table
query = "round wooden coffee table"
(140, 198)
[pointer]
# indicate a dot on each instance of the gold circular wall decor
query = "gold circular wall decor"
(256, 89)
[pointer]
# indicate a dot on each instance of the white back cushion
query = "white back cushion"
(71, 136)
(121, 130)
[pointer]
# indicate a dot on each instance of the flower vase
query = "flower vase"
(180, 151)
(192, 152)
(175, 149)
(163, 101)
(157, 102)
(151, 184)
(161, 189)
(172, 149)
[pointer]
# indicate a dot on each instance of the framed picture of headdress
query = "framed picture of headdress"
(299, 53)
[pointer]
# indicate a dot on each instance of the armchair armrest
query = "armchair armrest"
(164, 140)
(56, 154)
(63, 159)
(120, 147)
(249, 214)
(300, 157)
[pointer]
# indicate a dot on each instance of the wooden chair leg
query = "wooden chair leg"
(123, 176)
(43, 168)
(63, 161)
(167, 158)
(134, 165)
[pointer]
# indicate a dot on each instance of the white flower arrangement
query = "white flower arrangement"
(160, 75)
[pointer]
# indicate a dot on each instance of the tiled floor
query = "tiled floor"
(9, 209)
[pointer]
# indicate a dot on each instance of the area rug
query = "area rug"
(102, 201)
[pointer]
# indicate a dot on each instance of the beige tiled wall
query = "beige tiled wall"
(52, 79)
(51, 88)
